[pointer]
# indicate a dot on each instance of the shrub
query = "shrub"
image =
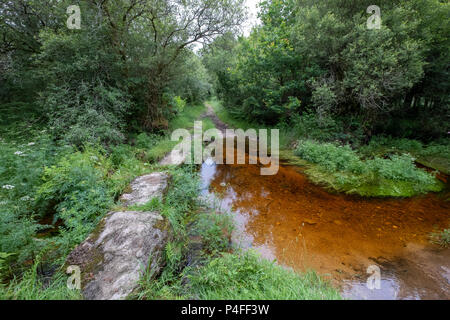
(90, 113)
(399, 168)
(344, 170)
(330, 156)
(325, 128)
(75, 187)
(178, 104)
(21, 168)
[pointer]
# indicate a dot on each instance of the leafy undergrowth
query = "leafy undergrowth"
(44, 182)
(342, 169)
(32, 286)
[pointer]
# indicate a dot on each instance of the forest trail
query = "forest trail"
(212, 115)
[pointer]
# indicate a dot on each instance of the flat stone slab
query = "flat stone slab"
(145, 188)
(115, 256)
(175, 157)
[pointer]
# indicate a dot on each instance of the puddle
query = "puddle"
(288, 219)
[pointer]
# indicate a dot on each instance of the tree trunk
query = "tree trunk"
(154, 117)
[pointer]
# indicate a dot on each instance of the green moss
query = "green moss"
(97, 230)
(162, 225)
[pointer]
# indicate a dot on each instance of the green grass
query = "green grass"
(186, 118)
(30, 286)
(218, 272)
(159, 146)
(225, 117)
(441, 238)
(245, 276)
(79, 187)
(215, 231)
(41, 178)
(207, 124)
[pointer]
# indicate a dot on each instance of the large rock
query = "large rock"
(116, 255)
(174, 157)
(145, 188)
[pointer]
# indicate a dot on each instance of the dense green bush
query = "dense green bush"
(332, 157)
(434, 155)
(398, 168)
(39, 179)
(343, 169)
(90, 113)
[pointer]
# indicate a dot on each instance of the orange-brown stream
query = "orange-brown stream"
(301, 225)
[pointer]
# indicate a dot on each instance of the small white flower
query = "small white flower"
(31, 144)
(8, 187)
(2, 203)
(18, 153)
(25, 198)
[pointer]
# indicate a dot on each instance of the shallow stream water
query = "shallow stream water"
(302, 226)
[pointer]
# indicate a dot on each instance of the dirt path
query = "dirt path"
(212, 115)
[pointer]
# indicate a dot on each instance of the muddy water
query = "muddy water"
(302, 226)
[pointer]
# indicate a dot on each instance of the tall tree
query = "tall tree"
(167, 28)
